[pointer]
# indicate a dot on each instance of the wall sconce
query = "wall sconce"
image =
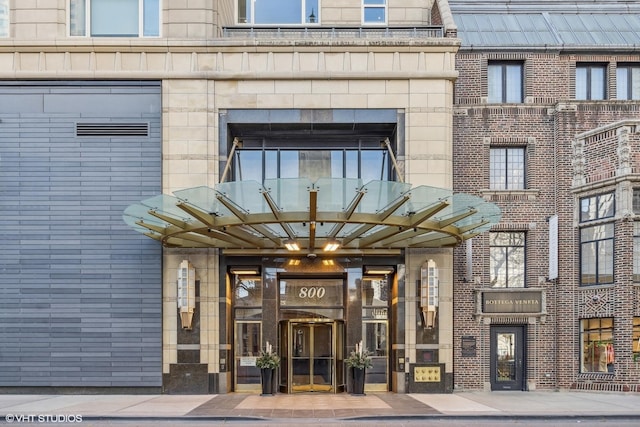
(331, 246)
(378, 270)
(245, 270)
(186, 293)
(291, 245)
(429, 293)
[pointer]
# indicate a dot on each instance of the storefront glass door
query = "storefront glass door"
(507, 358)
(310, 356)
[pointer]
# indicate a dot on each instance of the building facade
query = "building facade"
(171, 173)
(180, 115)
(545, 125)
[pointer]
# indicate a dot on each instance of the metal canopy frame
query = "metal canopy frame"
(249, 218)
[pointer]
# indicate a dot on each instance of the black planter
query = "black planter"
(266, 375)
(358, 381)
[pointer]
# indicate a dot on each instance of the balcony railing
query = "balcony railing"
(334, 32)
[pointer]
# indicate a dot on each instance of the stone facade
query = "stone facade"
(203, 72)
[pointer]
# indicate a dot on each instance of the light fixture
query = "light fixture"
(245, 270)
(291, 245)
(293, 262)
(331, 246)
(186, 293)
(378, 269)
(429, 293)
(328, 262)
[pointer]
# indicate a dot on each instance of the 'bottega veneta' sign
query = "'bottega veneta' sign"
(509, 302)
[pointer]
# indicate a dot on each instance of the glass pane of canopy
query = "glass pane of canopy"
(253, 218)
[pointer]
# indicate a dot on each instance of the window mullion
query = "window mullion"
(506, 266)
(140, 18)
(596, 272)
(505, 82)
(506, 169)
(87, 18)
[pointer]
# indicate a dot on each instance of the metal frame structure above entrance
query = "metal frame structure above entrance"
(249, 218)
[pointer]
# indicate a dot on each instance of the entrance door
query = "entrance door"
(310, 355)
(507, 358)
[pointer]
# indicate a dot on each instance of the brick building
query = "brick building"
(545, 125)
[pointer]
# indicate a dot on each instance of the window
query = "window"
(597, 207)
(636, 201)
(374, 12)
(319, 297)
(375, 332)
(247, 302)
(507, 168)
(505, 82)
(283, 12)
(261, 164)
(115, 18)
(596, 255)
(597, 353)
(635, 345)
(248, 296)
(507, 259)
(4, 18)
(591, 81)
(628, 81)
(375, 298)
(596, 242)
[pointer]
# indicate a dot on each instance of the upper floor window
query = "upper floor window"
(628, 81)
(505, 82)
(114, 18)
(597, 207)
(636, 201)
(591, 81)
(596, 254)
(507, 168)
(4, 18)
(374, 12)
(507, 264)
(272, 163)
(282, 12)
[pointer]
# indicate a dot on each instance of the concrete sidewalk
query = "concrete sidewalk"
(340, 406)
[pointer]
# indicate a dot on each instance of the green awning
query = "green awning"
(249, 218)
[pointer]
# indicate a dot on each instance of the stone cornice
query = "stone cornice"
(230, 45)
(120, 62)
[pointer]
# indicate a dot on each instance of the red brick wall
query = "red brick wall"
(547, 124)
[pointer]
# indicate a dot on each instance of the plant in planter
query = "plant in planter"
(359, 360)
(268, 361)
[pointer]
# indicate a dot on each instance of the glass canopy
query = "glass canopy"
(249, 218)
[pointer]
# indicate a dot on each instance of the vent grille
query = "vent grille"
(112, 129)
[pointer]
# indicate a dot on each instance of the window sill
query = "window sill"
(596, 285)
(496, 195)
(596, 375)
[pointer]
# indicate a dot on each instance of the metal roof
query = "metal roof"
(544, 23)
